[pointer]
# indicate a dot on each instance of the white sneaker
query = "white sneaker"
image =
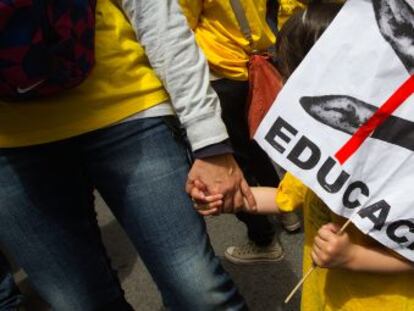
(290, 221)
(251, 253)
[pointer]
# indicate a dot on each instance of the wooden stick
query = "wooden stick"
(309, 272)
(345, 225)
(300, 283)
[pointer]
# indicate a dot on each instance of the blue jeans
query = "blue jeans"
(47, 220)
(10, 296)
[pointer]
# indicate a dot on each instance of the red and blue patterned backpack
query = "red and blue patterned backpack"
(46, 46)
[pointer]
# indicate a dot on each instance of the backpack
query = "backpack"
(46, 46)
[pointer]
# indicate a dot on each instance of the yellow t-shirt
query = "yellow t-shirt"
(121, 84)
(338, 289)
(286, 9)
(218, 33)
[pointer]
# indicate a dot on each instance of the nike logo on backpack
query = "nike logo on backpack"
(23, 90)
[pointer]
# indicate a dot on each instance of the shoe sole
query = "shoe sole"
(238, 261)
(292, 228)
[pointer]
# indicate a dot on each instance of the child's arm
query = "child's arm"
(331, 250)
(266, 200)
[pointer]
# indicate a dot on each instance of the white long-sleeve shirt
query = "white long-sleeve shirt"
(174, 55)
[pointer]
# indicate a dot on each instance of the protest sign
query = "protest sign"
(344, 121)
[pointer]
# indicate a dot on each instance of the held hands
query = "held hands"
(206, 205)
(217, 185)
(332, 250)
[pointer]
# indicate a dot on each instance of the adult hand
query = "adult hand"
(330, 249)
(221, 175)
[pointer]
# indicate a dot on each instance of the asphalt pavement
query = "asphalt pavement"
(263, 286)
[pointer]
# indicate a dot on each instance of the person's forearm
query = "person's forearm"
(377, 260)
(174, 55)
(265, 199)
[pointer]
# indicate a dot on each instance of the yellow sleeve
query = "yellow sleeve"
(192, 10)
(290, 194)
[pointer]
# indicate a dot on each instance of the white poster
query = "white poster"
(344, 122)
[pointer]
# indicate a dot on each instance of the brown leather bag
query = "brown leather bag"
(265, 82)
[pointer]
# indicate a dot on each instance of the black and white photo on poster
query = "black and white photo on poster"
(395, 20)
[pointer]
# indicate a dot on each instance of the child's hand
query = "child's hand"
(205, 205)
(208, 204)
(331, 250)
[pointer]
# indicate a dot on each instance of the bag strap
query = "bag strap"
(242, 21)
(43, 19)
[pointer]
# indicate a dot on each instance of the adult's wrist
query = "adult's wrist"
(220, 148)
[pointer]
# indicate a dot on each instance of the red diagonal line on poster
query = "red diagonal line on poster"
(383, 112)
